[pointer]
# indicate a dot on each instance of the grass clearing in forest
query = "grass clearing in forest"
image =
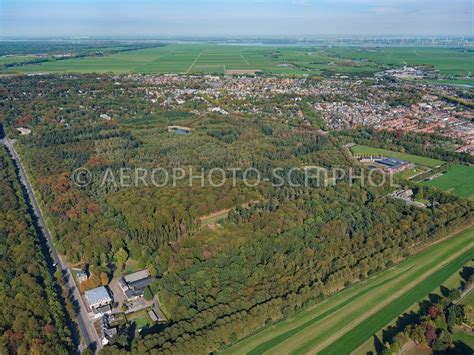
(214, 218)
(369, 304)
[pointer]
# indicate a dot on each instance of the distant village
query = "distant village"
(385, 102)
(341, 103)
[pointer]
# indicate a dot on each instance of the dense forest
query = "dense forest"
(275, 250)
(31, 317)
(294, 250)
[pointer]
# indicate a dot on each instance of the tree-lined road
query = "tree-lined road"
(86, 328)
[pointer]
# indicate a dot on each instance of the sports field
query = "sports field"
(362, 150)
(346, 320)
(459, 180)
(213, 58)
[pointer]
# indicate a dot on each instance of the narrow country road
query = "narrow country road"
(86, 328)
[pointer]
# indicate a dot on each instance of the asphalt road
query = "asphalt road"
(86, 328)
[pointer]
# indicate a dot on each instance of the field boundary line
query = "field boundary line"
(327, 313)
(148, 62)
(194, 62)
(245, 60)
(386, 302)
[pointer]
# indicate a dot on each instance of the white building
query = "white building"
(23, 131)
(98, 297)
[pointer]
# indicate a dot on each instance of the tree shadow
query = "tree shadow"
(154, 329)
(460, 348)
(378, 345)
(444, 291)
(402, 321)
(466, 273)
(434, 298)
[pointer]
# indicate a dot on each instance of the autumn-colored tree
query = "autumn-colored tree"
(433, 311)
(104, 278)
(32, 318)
(92, 282)
(430, 333)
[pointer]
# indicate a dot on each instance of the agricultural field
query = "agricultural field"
(362, 150)
(343, 322)
(14, 59)
(457, 180)
(212, 58)
(455, 62)
(168, 59)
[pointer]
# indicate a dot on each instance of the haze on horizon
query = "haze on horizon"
(36, 18)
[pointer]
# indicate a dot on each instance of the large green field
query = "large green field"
(14, 59)
(346, 320)
(173, 59)
(212, 58)
(449, 61)
(419, 160)
(457, 180)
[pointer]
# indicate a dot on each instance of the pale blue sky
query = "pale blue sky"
(231, 17)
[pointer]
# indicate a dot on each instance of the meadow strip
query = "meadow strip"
(290, 333)
(358, 335)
